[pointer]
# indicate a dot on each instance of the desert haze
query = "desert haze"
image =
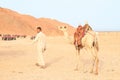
(18, 57)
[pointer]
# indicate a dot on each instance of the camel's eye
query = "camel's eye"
(60, 27)
(65, 27)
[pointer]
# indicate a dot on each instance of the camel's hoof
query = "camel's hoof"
(37, 64)
(91, 71)
(85, 71)
(42, 67)
(96, 73)
(75, 69)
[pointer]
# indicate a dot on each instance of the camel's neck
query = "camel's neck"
(90, 32)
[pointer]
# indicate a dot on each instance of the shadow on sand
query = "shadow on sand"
(55, 60)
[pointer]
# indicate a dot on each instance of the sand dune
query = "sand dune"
(13, 22)
(18, 58)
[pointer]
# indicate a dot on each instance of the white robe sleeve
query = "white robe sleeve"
(36, 39)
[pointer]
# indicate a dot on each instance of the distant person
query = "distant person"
(40, 39)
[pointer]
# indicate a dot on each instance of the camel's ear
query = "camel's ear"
(86, 22)
(90, 28)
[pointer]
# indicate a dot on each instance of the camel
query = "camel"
(64, 30)
(86, 38)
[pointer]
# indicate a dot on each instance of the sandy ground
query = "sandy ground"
(18, 58)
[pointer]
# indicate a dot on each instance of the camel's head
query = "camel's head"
(62, 28)
(79, 28)
(87, 27)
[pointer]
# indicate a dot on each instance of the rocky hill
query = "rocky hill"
(12, 22)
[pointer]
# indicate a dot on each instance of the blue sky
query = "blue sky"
(102, 15)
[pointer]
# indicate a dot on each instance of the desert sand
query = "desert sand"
(18, 58)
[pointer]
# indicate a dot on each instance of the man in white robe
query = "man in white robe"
(40, 39)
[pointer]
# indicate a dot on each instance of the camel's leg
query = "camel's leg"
(96, 62)
(77, 59)
(93, 63)
(92, 60)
